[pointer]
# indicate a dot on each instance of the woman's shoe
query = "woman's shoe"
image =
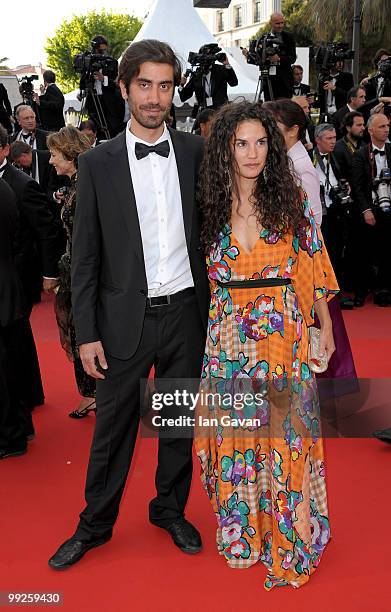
(80, 414)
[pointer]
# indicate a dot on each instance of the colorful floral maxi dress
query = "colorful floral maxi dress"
(263, 467)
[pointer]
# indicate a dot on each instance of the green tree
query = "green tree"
(3, 67)
(74, 36)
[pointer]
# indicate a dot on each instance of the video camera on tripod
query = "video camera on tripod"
(88, 63)
(26, 88)
(203, 61)
(262, 50)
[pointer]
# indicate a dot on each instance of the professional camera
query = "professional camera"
(384, 68)
(340, 194)
(327, 55)
(381, 187)
(26, 87)
(260, 51)
(204, 60)
(87, 63)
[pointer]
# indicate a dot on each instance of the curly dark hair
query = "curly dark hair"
(279, 205)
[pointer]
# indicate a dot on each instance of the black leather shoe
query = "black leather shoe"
(346, 303)
(184, 535)
(12, 451)
(383, 434)
(72, 551)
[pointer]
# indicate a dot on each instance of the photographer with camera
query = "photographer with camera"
(379, 84)
(29, 133)
(371, 178)
(335, 198)
(5, 110)
(51, 103)
(274, 53)
(102, 99)
(333, 82)
(299, 88)
(207, 80)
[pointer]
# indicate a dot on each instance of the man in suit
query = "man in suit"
(309, 138)
(280, 74)
(29, 133)
(299, 88)
(210, 89)
(34, 163)
(15, 418)
(5, 109)
(50, 104)
(368, 164)
(356, 98)
(36, 228)
(333, 90)
(140, 294)
(378, 86)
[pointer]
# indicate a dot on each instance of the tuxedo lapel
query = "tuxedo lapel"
(186, 181)
(117, 164)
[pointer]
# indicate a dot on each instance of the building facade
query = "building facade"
(236, 25)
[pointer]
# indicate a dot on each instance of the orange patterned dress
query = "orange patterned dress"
(257, 422)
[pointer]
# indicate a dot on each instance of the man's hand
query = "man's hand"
(274, 58)
(308, 146)
(377, 109)
(183, 80)
(385, 99)
(89, 354)
(50, 284)
(369, 217)
(98, 76)
(329, 86)
(36, 98)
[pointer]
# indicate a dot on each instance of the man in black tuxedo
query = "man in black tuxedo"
(140, 294)
(50, 104)
(333, 90)
(356, 98)
(378, 85)
(36, 228)
(299, 88)
(367, 166)
(5, 109)
(29, 133)
(210, 89)
(34, 163)
(15, 418)
(280, 75)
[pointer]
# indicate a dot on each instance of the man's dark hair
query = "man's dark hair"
(49, 76)
(99, 40)
(298, 66)
(3, 136)
(147, 51)
(288, 113)
(353, 91)
(205, 115)
(349, 118)
(88, 124)
(18, 148)
(378, 55)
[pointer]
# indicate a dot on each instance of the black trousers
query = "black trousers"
(173, 340)
(334, 230)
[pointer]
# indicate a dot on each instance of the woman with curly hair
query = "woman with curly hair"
(258, 432)
(65, 147)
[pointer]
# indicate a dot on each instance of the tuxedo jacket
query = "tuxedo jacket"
(41, 158)
(51, 109)
(371, 88)
(109, 284)
(303, 90)
(40, 136)
(363, 173)
(343, 83)
(36, 223)
(220, 78)
(5, 108)
(344, 156)
(12, 305)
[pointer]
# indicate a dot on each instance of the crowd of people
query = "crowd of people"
(246, 235)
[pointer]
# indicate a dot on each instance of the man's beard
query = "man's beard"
(148, 122)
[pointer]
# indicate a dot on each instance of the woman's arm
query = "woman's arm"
(326, 327)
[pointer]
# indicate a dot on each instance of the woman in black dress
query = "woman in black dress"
(65, 147)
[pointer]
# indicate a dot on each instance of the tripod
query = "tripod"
(99, 114)
(263, 76)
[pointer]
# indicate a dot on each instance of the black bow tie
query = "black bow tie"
(378, 152)
(324, 155)
(142, 150)
(25, 136)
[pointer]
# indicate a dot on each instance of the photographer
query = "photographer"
(380, 84)
(5, 109)
(29, 133)
(299, 88)
(274, 53)
(371, 185)
(51, 103)
(334, 197)
(103, 100)
(334, 84)
(209, 80)
(34, 163)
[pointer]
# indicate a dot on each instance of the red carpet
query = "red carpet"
(140, 570)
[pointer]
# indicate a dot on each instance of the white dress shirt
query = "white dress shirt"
(27, 140)
(2, 168)
(381, 162)
(304, 169)
(331, 107)
(159, 207)
(331, 182)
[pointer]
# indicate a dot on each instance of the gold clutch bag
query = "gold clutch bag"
(316, 363)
